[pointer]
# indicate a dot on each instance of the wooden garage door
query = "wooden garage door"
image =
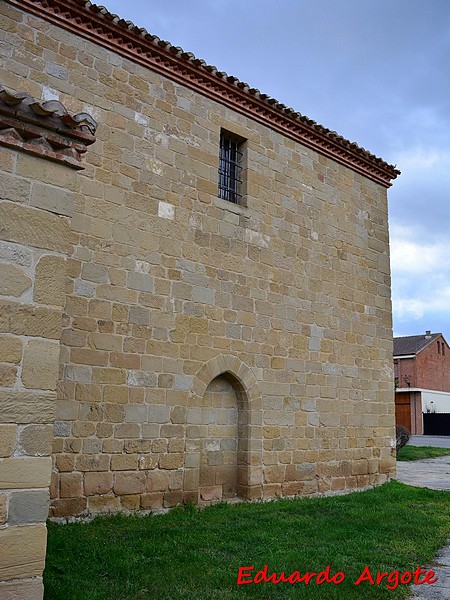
(403, 411)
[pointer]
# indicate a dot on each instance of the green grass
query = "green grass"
(408, 453)
(191, 554)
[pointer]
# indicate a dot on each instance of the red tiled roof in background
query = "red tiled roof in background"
(97, 24)
(413, 344)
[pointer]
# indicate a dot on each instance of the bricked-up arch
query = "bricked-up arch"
(216, 372)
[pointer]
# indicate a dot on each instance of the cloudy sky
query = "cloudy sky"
(375, 71)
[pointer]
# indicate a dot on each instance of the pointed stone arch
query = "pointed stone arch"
(219, 374)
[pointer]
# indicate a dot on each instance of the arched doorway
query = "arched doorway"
(223, 433)
(221, 443)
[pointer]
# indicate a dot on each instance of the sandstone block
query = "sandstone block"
(52, 199)
(359, 467)
(114, 413)
(92, 446)
(7, 375)
(183, 382)
(83, 429)
(70, 485)
(22, 589)
(127, 430)
(14, 189)
(170, 431)
(49, 286)
(22, 319)
(178, 415)
(157, 481)
(23, 406)
(10, 349)
(15, 253)
(139, 315)
(115, 393)
(28, 507)
(140, 281)
(130, 502)
(159, 414)
(45, 171)
(172, 499)
(23, 473)
(98, 462)
(108, 375)
(8, 435)
(148, 462)
(3, 509)
(65, 462)
(135, 413)
(211, 493)
(387, 466)
(85, 356)
(36, 440)
(68, 507)
(176, 445)
(97, 483)
(94, 272)
(129, 483)
(88, 392)
(124, 462)
(103, 504)
(104, 341)
(125, 361)
(171, 461)
(142, 378)
(100, 309)
(207, 476)
(41, 364)
(152, 501)
(13, 281)
(33, 227)
(137, 446)
(306, 471)
(22, 551)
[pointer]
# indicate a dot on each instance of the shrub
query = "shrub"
(402, 435)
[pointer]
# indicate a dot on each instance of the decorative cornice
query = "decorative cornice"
(44, 128)
(97, 24)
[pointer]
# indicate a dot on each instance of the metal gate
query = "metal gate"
(436, 423)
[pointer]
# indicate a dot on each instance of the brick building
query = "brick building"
(422, 379)
(195, 286)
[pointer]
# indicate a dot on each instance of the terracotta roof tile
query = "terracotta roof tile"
(44, 128)
(49, 108)
(77, 14)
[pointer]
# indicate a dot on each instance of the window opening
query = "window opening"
(230, 167)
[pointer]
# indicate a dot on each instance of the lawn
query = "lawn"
(408, 453)
(191, 554)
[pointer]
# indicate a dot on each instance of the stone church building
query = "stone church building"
(194, 286)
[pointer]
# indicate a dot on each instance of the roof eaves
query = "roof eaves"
(135, 43)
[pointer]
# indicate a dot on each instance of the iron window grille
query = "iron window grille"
(230, 168)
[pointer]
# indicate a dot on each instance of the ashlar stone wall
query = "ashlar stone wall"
(208, 348)
(35, 240)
